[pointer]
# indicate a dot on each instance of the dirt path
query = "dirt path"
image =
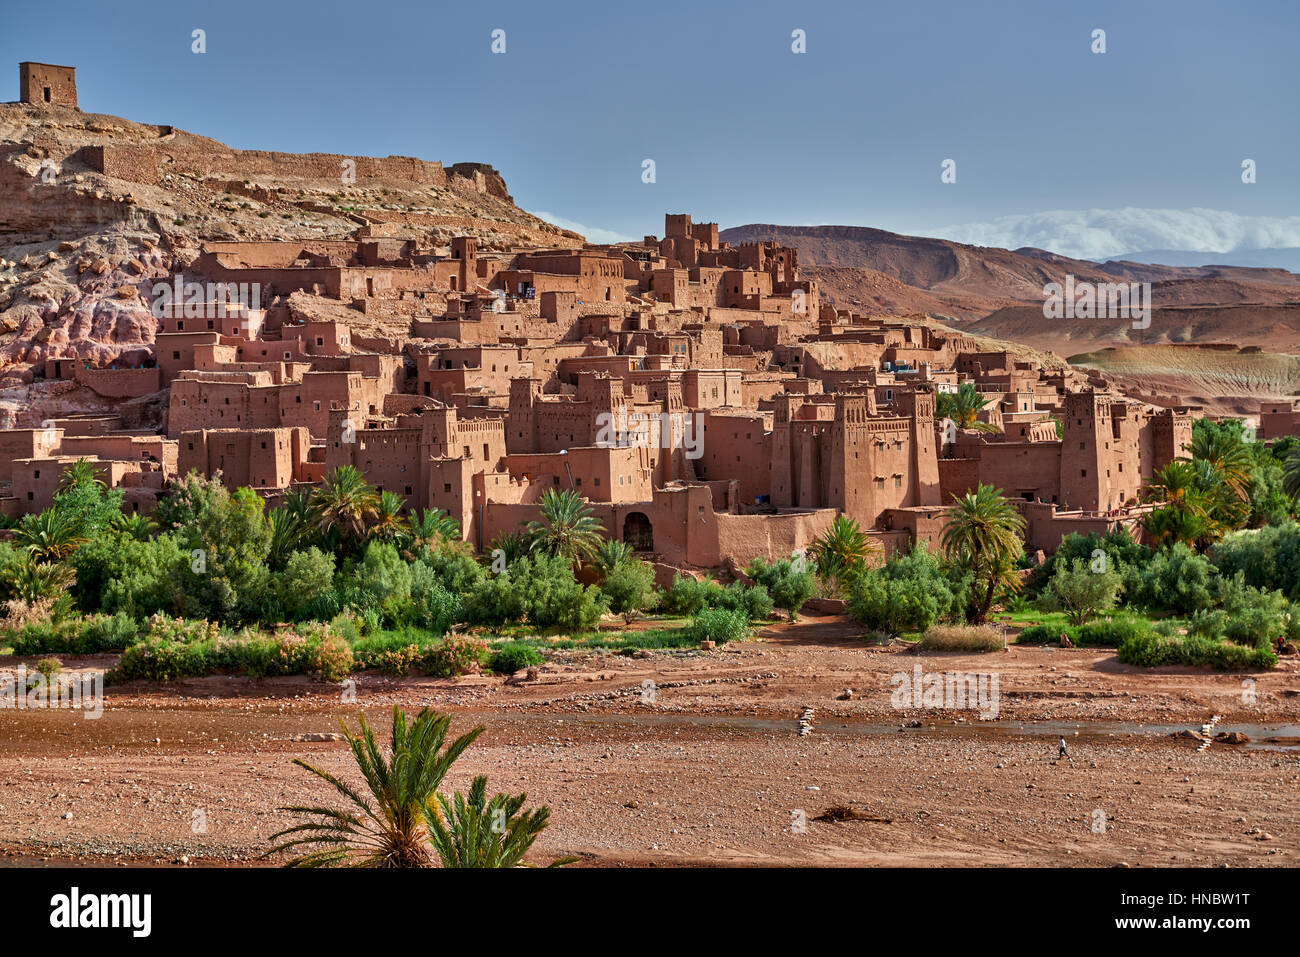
(708, 767)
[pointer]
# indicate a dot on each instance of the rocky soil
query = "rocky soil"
(710, 769)
(77, 248)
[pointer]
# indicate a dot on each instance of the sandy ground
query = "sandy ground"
(712, 771)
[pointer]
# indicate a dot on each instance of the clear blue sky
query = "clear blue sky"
(741, 129)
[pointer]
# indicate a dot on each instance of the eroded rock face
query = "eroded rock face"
(66, 308)
(93, 208)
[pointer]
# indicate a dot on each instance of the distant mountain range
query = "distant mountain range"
(998, 292)
(1284, 257)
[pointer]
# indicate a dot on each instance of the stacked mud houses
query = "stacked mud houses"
(703, 397)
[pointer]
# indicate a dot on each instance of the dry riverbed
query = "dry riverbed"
(708, 766)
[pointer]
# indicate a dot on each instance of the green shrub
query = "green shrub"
(407, 651)
(895, 605)
(178, 649)
(156, 659)
(75, 635)
(108, 633)
(1266, 558)
(689, 596)
(1112, 633)
(629, 588)
(306, 586)
(1047, 635)
(435, 607)
(752, 600)
(539, 589)
(49, 667)
(1249, 616)
(1083, 589)
(1155, 649)
(789, 584)
(910, 592)
(1177, 580)
(510, 658)
(1122, 555)
(720, 625)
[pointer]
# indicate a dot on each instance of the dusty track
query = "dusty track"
(711, 771)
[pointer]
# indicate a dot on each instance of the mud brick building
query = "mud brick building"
(44, 84)
(704, 398)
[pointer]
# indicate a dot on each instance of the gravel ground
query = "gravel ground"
(710, 768)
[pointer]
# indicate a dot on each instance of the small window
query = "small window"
(446, 486)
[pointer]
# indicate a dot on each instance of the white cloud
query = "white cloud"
(1103, 233)
(594, 234)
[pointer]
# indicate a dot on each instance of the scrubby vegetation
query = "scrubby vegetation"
(340, 578)
(330, 581)
(962, 638)
(1218, 585)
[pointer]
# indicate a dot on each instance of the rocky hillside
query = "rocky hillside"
(92, 205)
(999, 292)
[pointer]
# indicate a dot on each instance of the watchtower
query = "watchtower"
(47, 85)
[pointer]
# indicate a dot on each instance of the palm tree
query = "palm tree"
(1174, 484)
(297, 502)
(509, 547)
(431, 528)
(1291, 473)
(1198, 503)
(964, 407)
(139, 527)
(390, 832)
(1167, 526)
(31, 580)
(841, 551)
(568, 528)
(80, 472)
(1229, 456)
(612, 553)
(1222, 497)
(985, 534)
(389, 525)
(344, 505)
(50, 536)
(476, 832)
(287, 533)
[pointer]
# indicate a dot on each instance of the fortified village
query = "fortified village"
(709, 403)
